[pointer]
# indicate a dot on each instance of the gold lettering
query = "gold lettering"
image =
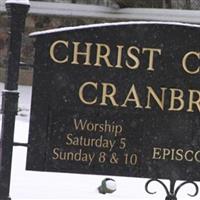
(56, 154)
(184, 62)
(160, 102)
(179, 155)
(86, 53)
(52, 51)
(193, 102)
(176, 154)
(69, 140)
(173, 151)
(108, 95)
(81, 91)
(135, 98)
(176, 96)
(119, 56)
(166, 152)
(196, 156)
(133, 57)
(151, 57)
(102, 55)
(186, 155)
(156, 153)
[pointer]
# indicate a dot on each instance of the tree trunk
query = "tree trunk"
(188, 4)
(168, 3)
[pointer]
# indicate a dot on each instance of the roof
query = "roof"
(110, 14)
(63, 29)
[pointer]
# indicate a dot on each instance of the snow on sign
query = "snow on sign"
(117, 99)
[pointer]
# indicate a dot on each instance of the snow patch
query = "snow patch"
(111, 185)
(23, 2)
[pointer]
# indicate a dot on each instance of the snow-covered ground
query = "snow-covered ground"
(43, 185)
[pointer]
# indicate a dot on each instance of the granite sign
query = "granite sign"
(117, 99)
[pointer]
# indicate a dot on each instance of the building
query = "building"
(58, 13)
